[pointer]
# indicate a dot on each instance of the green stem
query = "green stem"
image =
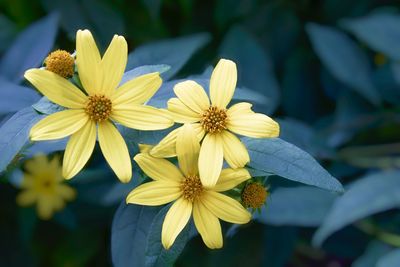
(384, 236)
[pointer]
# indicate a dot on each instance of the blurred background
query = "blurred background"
(329, 71)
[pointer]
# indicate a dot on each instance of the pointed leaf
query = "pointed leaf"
(288, 161)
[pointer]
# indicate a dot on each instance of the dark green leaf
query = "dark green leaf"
(369, 195)
(380, 31)
(299, 206)
(30, 48)
(344, 59)
(255, 69)
(156, 255)
(392, 259)
(129, 234)
(15, 133)
(173, 52)
(45, 106)
(14, 97)
(290, 162)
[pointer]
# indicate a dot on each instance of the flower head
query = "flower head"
(215, 122)
(60, 62)
(185, 187)
(254, 195)
(103, 102)
(44, 186)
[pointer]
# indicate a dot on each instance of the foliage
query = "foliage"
(327, 70)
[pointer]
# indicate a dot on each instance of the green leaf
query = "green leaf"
(392, 259)
(374, 251)
(290, 162)
(255, 69)
(30, 48)
(129, 75)
(173, 52)
(14, 97)
(367, 196)
(156, 255)
(129, 233)
(380, 31)
(7, 33)
(136, 237)
(344, 59)
(45, 106)
(14, 134)
(299, 206)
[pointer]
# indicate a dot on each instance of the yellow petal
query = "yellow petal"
(26, 198)
(45, 208)
(225, 208)
(158, 169)
(137, 91)
(255, 125)
(210, 159)
(192, 95)
(88, 62)
(113, 64)
(235, 152)
(166, 148)
(230, 178)
(56, 88)
(115, 151)
(154, 193)
(79, 149)
(187, 150)
(223, 83)
(181, 113)
(144, 148)
(207, 225)
(66, 192)
(59, 125)
(176, 219)
(239, 108)
(143, 118)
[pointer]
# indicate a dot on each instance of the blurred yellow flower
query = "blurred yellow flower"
(44, 186)
(186, 188)
(104, 102)
(215, 122)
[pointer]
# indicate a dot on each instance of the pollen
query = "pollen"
(60, 62)
(214, 120)
(191, 188)
(98, 108)
(254, 195)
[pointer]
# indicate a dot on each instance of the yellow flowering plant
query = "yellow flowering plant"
(43, 186)
(212, 168)
(184, 186)
(215, 122)
(95, 109)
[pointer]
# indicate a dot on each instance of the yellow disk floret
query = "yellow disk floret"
(254, 195)
(214, 120)
(191, 188)
(60, 62)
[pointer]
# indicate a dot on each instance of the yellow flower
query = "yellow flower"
(43, 184)
(104, 102)
(186, 188)
(215, 122)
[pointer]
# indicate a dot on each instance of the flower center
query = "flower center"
(214, 120)
(98, 108)
(191, 187)
(60, 62)
(254, 195)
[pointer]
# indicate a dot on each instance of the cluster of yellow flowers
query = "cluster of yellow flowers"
(201, 144)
